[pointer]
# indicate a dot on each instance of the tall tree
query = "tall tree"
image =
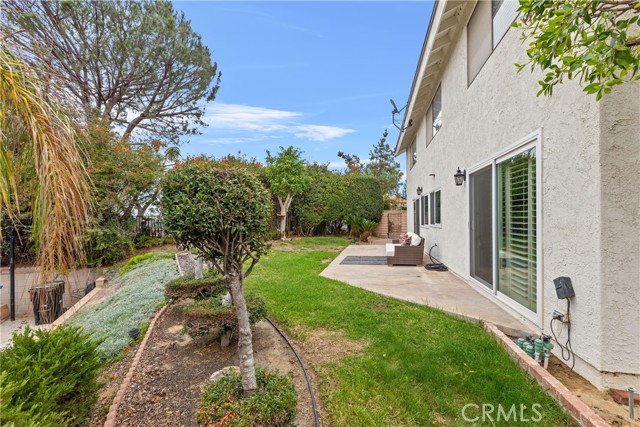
(136, 64)
(125, 177)
(353, 162)
(225, 213)
(382, 165)
(36, 136)
(595, 41)
(287, 176)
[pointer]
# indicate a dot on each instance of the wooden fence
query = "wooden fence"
(392, 224)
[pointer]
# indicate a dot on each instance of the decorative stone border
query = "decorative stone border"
(113, 409)
(579, 410)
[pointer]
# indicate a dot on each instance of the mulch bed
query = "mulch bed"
(110, 377)
(174, 369)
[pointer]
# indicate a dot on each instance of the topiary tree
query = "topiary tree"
(224, 213)
(287, 175)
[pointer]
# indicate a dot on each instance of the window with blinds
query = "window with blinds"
(517, 257)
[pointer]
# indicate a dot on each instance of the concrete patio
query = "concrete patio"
(441, 290)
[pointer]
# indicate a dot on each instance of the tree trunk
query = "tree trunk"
(245, 345)
(284, 209)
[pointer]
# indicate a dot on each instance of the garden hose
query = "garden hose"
(435, 266)
(304, 370)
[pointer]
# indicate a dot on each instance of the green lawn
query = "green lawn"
(419, 366)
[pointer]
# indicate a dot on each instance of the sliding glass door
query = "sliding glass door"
(517, 227)
(503, 227)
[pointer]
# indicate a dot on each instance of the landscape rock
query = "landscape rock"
(226, 300)
(222, 372)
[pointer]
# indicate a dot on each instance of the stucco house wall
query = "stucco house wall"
(589, 154)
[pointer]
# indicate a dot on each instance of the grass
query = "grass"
(138, 259)
(419, 367)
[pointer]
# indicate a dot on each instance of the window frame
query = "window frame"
(432, 208)
(438, 92)
(425, 210)
(413, 156)
(494, 43)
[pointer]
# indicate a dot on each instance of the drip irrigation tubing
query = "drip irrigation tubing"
(306, 374)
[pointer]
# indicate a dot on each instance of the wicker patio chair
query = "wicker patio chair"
(407, 255)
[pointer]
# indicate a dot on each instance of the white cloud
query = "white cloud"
(244, 123)
(246, 117)
(321, 133)
(337, 165)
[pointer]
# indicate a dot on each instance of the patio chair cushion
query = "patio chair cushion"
(415, 240)
(390, 249)
(405, 240)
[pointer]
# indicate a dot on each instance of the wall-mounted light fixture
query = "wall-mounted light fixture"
(419, 191)
(460, 176)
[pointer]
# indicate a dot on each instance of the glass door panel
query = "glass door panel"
(481, 226)
(517, 222)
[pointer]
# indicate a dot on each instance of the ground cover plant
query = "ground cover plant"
(138, 259)
(272, 404)
(418, 365)
(49, 379)
(139, 296)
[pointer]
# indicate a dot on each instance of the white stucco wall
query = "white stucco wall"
(620, 233)
(499, 108)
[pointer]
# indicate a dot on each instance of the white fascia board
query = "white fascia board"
(430, 38)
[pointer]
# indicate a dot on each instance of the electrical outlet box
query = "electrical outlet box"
(561, 315)
(564, 287)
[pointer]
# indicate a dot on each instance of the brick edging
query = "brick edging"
(113, 409)
(579, 410)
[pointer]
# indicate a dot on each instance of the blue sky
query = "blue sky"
(315, 75)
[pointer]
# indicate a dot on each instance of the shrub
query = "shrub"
(138, 259)
(362, 197)
(209, 314)
(139, 296)
(143, 241)
(188, 287)
(109, 244)
(318, 205)
(273, 403)
(49, 379)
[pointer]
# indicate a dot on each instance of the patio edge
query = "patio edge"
(580, 411)
(113, 409)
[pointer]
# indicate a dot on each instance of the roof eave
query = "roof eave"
(447, 20)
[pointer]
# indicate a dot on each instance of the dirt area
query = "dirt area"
(600, 401)
(174, 369)
(110, 377)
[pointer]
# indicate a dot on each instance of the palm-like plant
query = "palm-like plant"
(35, 135)
(366, 228)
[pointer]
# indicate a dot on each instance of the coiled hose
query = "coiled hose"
(435, 266)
